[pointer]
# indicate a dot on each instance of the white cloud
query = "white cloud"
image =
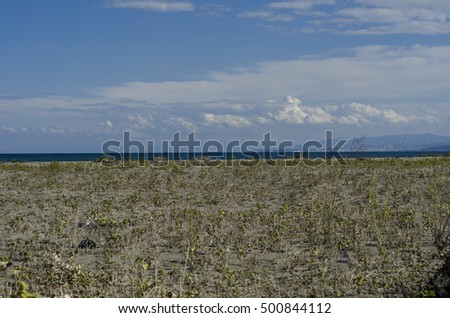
(299, 4)
(9, 129)
(292, 112)
(391, 116)
(72, 130)
(268, 15)
(271, 12)
(395, 21)
(366, 109)
(262, 120)
(53, 130)
(378, 115)
(365, 16)
(356, 119)
(316, 115)
(331, 108)
(109, 124)
(183, 122)
(141, 122)
(429, 119)
(213, 9)
(370, 73)
(408, 4)
(229, 105)
(166, 92)
(229, 120)
(159, 5)
(14, 130)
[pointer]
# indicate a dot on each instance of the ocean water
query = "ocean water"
(49, 157)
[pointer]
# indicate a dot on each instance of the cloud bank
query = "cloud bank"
(370, 73)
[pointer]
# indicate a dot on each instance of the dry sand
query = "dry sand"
(375, 228)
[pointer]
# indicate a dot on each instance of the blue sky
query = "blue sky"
(74, 74)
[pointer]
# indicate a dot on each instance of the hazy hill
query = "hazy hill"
(406, 142)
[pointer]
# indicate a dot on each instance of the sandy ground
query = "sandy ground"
(376, 228)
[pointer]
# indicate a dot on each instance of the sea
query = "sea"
(70, 157)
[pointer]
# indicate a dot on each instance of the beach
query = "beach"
(371, 228)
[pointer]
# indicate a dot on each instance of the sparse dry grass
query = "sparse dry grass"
(378, 228)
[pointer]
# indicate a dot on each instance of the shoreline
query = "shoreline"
(211, 158)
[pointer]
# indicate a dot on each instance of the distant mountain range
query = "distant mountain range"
(422, 142)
